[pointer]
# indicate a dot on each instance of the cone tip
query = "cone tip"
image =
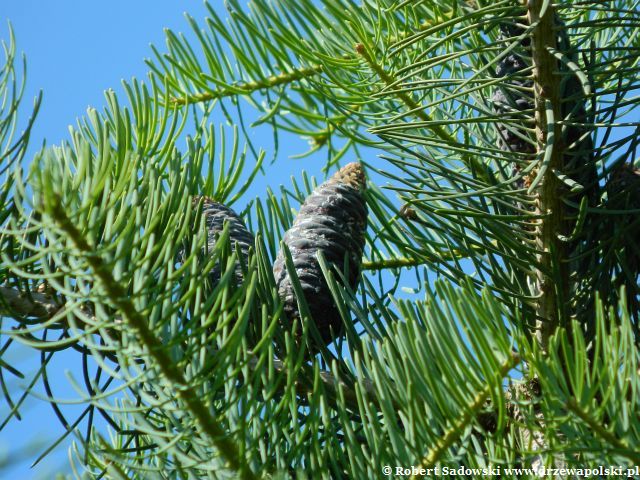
(351, 174)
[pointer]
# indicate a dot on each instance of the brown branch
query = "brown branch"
(33, 304)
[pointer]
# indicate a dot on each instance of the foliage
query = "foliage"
(518, 344)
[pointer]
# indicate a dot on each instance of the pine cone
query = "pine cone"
(332, 220)
(216, 214)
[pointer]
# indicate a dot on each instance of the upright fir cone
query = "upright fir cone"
(216, 214)
(332, 220)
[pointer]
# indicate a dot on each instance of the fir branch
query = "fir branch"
(134, 319)
(424, 25)
(414, 107)
(553, 273)
(345, 424)
(418, 111)
(332, 385)
(400, 262)
(247, 88)
(457, 429)
(42, 306)
(320, 139)
(621, 446)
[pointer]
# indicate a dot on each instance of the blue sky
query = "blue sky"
(76, 50)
